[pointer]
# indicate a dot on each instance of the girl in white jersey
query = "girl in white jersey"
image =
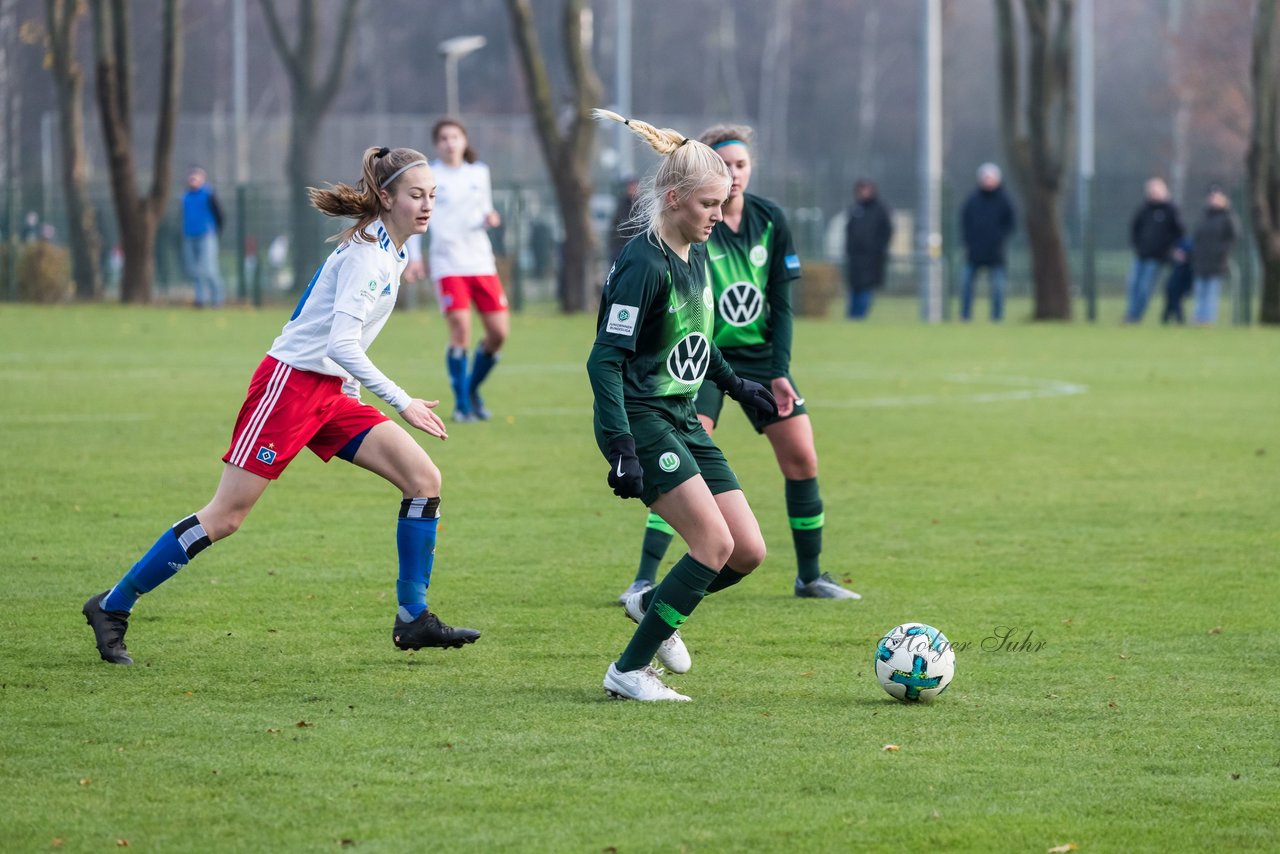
(463, 267)
(306, 394)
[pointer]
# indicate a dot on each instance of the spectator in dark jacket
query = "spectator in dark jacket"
(1178, 285)
(1213, 237)
(1154, 231)
(986, 222)
(867, 233)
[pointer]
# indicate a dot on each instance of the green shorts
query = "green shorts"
(711, 399)
(673, 447)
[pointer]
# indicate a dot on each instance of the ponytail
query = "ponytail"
(686, 165)
(380, 169)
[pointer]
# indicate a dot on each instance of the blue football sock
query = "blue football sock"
(175, 548)
(480, 367)
(456, 362)
(416, 544)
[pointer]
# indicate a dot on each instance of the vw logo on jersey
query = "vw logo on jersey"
(688, 360)
(758, 255)
(708, 299)
(741, 303)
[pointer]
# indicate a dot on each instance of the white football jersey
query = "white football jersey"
(459, 237)
(359, 279)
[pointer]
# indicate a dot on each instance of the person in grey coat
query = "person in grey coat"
(1213, 237)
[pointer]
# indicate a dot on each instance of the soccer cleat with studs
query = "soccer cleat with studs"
(428, 631)
(643, 685)
(823, 587)
(108, 629)
(673, 654)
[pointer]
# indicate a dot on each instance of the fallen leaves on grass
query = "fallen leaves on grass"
(272, 730)
(891, 748)
(57, 841)
(1065, 848)
(122, 843)
(303, 724)
(85, 781)
(1216, 630)
(1235, 775)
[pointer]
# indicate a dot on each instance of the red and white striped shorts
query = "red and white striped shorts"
(287, 409)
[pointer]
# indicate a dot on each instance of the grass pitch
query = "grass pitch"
(1088, 512)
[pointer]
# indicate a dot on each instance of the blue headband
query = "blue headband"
(722, 143)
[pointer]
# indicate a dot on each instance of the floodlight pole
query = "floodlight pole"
(929, 215)
(453, 50)
(622, 73)
(240, 118)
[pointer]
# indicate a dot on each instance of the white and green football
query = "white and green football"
(914, 662)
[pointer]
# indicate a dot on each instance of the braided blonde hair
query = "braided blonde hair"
(686, 165)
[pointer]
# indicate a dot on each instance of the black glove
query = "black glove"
(752, 394)
(625, 474)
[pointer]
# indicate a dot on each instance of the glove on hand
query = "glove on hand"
(625, 474)
(752, 394)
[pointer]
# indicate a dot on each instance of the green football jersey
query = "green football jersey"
(659, 309)
(751, 273)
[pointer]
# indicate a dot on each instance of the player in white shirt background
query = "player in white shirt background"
(462, 266)
(305, 393)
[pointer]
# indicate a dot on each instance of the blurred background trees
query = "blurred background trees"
(831, 85)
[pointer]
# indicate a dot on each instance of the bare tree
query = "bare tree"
(62, 18)
(138, 215)
(567, 150)
(1037, 130)
(1263, 159)
(313, 94)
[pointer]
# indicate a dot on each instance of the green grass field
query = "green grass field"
(1110, 492)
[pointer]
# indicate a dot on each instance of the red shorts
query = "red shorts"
(286, 410)
(456, 293)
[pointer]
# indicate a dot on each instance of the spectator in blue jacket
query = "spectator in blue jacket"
(201, 223)
(986, 222)
(1154, 232)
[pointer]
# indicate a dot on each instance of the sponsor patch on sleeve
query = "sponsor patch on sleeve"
(622, 319)
(792, 262)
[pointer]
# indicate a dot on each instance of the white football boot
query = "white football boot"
(673, 654)
(636, 587)
(642, 684)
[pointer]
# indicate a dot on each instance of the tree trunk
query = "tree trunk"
(307, 247)
(1050, 272)
(138, 242)
(573, 191)
(138, 215)
(1263, 160)
(567, 152)
(82, 229)
(1037, 131)
(313, 93)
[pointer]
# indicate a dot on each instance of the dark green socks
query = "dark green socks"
(804, 507)
(673, 601)
(657, 538)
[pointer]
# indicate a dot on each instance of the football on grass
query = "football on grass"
(914, 662)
